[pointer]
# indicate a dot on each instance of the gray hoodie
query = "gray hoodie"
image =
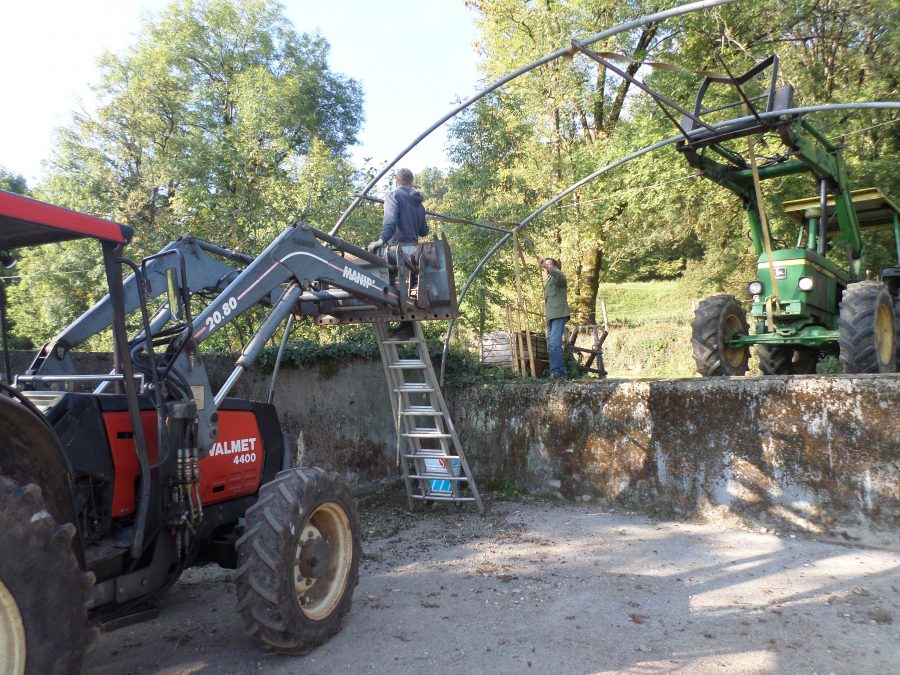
(404, 217)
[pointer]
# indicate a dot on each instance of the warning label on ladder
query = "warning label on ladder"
(440, 466)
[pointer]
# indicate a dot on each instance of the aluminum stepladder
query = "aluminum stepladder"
(430, 455)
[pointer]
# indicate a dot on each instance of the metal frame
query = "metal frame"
(870, 105)
(559, 53)
(692, 120)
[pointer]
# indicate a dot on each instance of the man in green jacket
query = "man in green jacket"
(556, 307)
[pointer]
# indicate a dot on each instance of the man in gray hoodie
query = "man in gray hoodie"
(404, 223)
(404, 214)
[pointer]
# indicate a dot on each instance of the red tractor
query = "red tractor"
(112, 484)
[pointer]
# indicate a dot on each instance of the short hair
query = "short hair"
(556, 263)
(405, 177)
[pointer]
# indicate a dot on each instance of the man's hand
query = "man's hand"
(373, 245)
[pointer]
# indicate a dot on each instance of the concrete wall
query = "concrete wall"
(817, 454)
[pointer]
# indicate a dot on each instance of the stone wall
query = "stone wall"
(817, 454)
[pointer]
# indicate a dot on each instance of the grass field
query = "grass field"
(637, 303)
(650, 331)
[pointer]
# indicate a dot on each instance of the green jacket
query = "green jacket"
(555, 303)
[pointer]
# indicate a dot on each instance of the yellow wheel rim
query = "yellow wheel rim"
(734, 355)
(12, 635)
(884, 334)
(319, 595)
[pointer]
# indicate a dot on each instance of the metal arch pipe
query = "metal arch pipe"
(866, 105)
(565, 51)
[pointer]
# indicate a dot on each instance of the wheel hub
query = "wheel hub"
(734, 355)
(314, 557)
(12, 634)
(884, 334)
(323, 560)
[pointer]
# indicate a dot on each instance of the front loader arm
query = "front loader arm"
(204, 273)
(296, 254)
(296, 259)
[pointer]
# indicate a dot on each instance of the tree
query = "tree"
(651, 219)
(221, 121)
(13, 182)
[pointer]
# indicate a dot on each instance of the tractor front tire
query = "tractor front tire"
(785, 360)
(867, 329)
(716, 318)
(43, 615)
(298, 560)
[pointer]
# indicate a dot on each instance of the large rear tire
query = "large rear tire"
(298, 561)
(867, 329)
(715, 319)
(43, 616)
(785, 360)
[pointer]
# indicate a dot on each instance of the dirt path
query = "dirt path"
(555, 588)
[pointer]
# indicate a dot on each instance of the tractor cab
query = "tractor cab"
(26, 222)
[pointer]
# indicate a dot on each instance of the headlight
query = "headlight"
(805, 284)
(754, 287)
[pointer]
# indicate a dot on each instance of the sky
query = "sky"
(414, 59)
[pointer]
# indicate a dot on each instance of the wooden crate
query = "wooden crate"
(497, 351)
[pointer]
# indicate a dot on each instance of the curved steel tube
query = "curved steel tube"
(566, 51)
(876, 105)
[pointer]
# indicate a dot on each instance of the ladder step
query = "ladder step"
(426, 433)
(414, 388)
(438, 476)
(426, 455)
(423, 410)
(400, 341)
(404, 364)
(437, 497)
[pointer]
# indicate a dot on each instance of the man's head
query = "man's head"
(405, 178)
(547, 263)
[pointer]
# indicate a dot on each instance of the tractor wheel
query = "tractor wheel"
(715, 318)
(786, 360)
(298, 560)
(867, 331)
(43, 616)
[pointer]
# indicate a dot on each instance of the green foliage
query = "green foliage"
(639, 303)
(651, 218)
(13, 182)
(221, 121)
(329, 347)
(829, 365)
(341, 344)
(55, 283)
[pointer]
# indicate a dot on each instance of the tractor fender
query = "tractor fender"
(31, 453)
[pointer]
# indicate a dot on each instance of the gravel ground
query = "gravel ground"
(555, 588)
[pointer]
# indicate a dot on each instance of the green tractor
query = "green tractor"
(804, 304)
